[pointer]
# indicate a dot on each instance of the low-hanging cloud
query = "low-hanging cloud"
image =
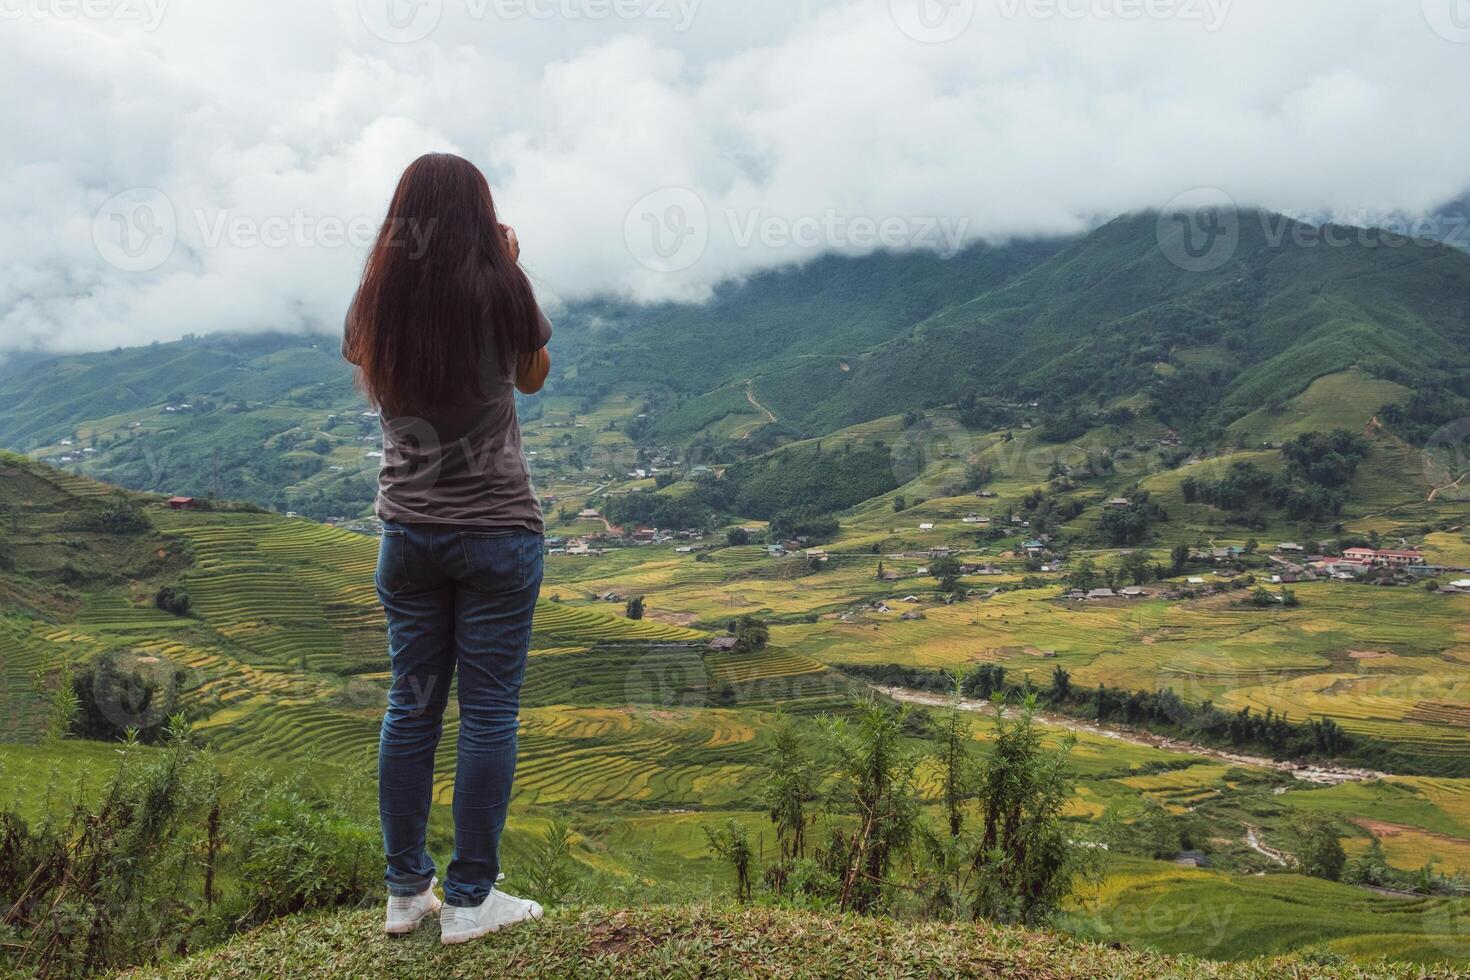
(180, 167)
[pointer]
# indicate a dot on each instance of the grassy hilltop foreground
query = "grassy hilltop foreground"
(691, 941)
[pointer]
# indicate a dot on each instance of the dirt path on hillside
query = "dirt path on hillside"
(1321, 775)
(1254, 843)
(1448, 486)
(750, 397)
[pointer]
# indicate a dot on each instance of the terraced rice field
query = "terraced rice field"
(22, 653)
(304, 730)
(670, 757)
(1215, 915)
(563, 622)
(117, 614)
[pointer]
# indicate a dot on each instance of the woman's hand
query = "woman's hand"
(511, 242)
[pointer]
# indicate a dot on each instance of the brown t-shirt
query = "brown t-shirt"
(465, 465)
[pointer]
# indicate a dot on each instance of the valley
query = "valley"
(1063, 467)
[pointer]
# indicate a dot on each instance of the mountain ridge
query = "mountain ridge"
(1103, 322)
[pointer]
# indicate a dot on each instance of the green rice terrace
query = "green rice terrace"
(645, 736)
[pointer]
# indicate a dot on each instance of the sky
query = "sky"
(190, 166)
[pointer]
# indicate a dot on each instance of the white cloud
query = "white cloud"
(799, 126)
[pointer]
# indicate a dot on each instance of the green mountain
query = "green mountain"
(1106, 317)
(1102, 328)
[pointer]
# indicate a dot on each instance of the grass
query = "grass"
(286, 662)
(1346, 400)
(1184, 910)
(712, 942)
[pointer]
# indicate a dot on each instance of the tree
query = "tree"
(956, 772)
(1319, 849)
(1263, 598)
(1158, 833)
(1135, 567)
(173, 600)
(1370, 867)
(549, 870)
(1084, 576)
(1179, 559)
(1061, 684)
(751, 634)
(634, 608)
(118, 517)
(737, 536)
(947, 571)
(880, 570)
(899, 504)
(1025, 863)
(732, 845)
(789, 793)
(874, 776)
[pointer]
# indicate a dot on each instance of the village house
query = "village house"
(578, 546)
(1102, 594)
(1133, 592)
(1291, 547)
(588, 513)
(1390, 559)
(645, 535)
(182, 503)
(723, 644)
(1119, 503)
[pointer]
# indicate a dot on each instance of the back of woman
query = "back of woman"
(444, 329)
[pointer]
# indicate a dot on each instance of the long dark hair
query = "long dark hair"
(439, 284)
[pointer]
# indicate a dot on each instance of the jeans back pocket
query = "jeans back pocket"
(495, 561)
(392, 573)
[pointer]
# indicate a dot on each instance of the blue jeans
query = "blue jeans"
(454, 596)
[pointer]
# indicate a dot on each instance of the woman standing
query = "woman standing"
(443, 330)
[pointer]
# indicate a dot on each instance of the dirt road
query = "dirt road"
(1322, 775)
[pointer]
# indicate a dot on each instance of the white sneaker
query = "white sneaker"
(498, 911)
(406, 912)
